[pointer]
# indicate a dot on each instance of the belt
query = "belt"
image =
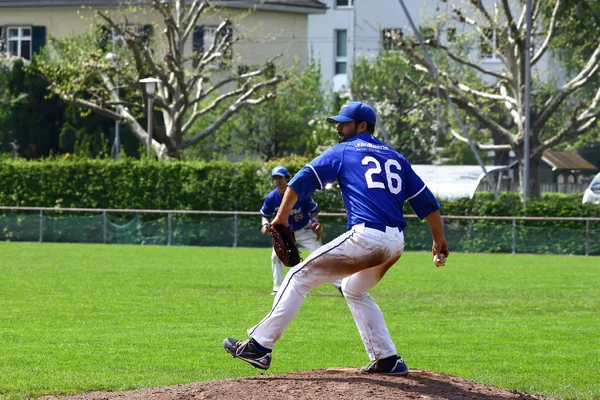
(375, 225)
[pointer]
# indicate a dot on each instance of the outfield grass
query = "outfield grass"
(76, 318)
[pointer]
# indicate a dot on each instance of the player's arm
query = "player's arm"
(266, 212)
(440, 246)
(290, 197)
(426, 206)
(265, 222)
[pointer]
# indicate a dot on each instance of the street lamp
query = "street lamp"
(114, 58)
(150, 84)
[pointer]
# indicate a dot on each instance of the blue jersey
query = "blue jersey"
(375, 181)
(300, 215)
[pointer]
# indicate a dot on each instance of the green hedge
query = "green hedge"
(215, 185)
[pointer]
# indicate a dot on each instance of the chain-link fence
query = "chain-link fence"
(242, 229)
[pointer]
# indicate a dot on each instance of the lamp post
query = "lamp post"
(150, 84)
(114, 58)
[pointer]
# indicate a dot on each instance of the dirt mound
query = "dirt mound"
(326, 384)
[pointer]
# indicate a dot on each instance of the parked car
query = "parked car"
(592, 193)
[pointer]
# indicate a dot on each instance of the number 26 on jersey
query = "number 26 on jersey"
(393, 179)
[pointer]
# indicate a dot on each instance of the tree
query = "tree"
(80, 74)
(407, 120)
(293, 123)
(31, 119)
(559, 113)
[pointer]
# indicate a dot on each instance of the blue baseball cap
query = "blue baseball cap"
(355, 111)
(279, 171)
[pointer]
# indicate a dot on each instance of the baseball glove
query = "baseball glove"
(284, 244)
(317, 228)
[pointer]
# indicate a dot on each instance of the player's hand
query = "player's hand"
(264, 230)
(317, 228)
(279, 221)
(440, 246)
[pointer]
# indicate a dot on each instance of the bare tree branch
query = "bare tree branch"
(578, 124)
(223, 82)
(248, 92)
(512, 27)
(584, 76)
(480, 146)
(464, 61)
(549, 35)
(230, 111)
(477, 28)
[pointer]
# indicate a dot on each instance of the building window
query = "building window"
(486, 50)
(427, 32)
(390, 38)
(344, 3)
(204, 37)
(341, 51)
(18, 39)
(451, 35)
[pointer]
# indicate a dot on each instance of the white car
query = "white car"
(592, 193)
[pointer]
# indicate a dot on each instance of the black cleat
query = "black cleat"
(246, 350)
(393, 365)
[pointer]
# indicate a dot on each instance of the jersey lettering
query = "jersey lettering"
(371, 184)
(394, 181)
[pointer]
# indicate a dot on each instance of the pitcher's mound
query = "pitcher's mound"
(323, 384)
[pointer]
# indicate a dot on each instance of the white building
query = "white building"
(354, 28)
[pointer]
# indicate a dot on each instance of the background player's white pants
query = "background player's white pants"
(361, 257)
(306, 238)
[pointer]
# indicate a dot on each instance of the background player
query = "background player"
(375, 181)
(303, 219)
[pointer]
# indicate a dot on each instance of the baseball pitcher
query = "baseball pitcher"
(375, 181)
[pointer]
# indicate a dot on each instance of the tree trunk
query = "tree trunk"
(534, 176)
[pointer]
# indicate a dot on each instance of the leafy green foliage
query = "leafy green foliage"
(392, 88)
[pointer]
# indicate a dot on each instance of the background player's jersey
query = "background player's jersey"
(375, 179)
(300, 215)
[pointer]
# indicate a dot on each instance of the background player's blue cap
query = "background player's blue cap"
(279, 171)
(354, 111)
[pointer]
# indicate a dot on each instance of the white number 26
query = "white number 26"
(394, 181)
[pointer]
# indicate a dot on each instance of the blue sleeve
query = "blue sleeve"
(304, 183)
(327, 166)
(424, 203)
(311, 205)
(267, 208)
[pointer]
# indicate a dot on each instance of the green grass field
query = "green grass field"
(77, 318)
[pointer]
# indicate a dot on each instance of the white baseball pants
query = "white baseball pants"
(306, 238)
(361, 257)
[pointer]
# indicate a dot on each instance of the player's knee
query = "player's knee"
(351, 294)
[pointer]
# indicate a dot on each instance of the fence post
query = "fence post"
(514, 235)
(41, 226)
(587, 237)
(169, 228)
(235, 229)
(105, 229)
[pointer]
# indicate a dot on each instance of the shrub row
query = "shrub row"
(215, 185)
